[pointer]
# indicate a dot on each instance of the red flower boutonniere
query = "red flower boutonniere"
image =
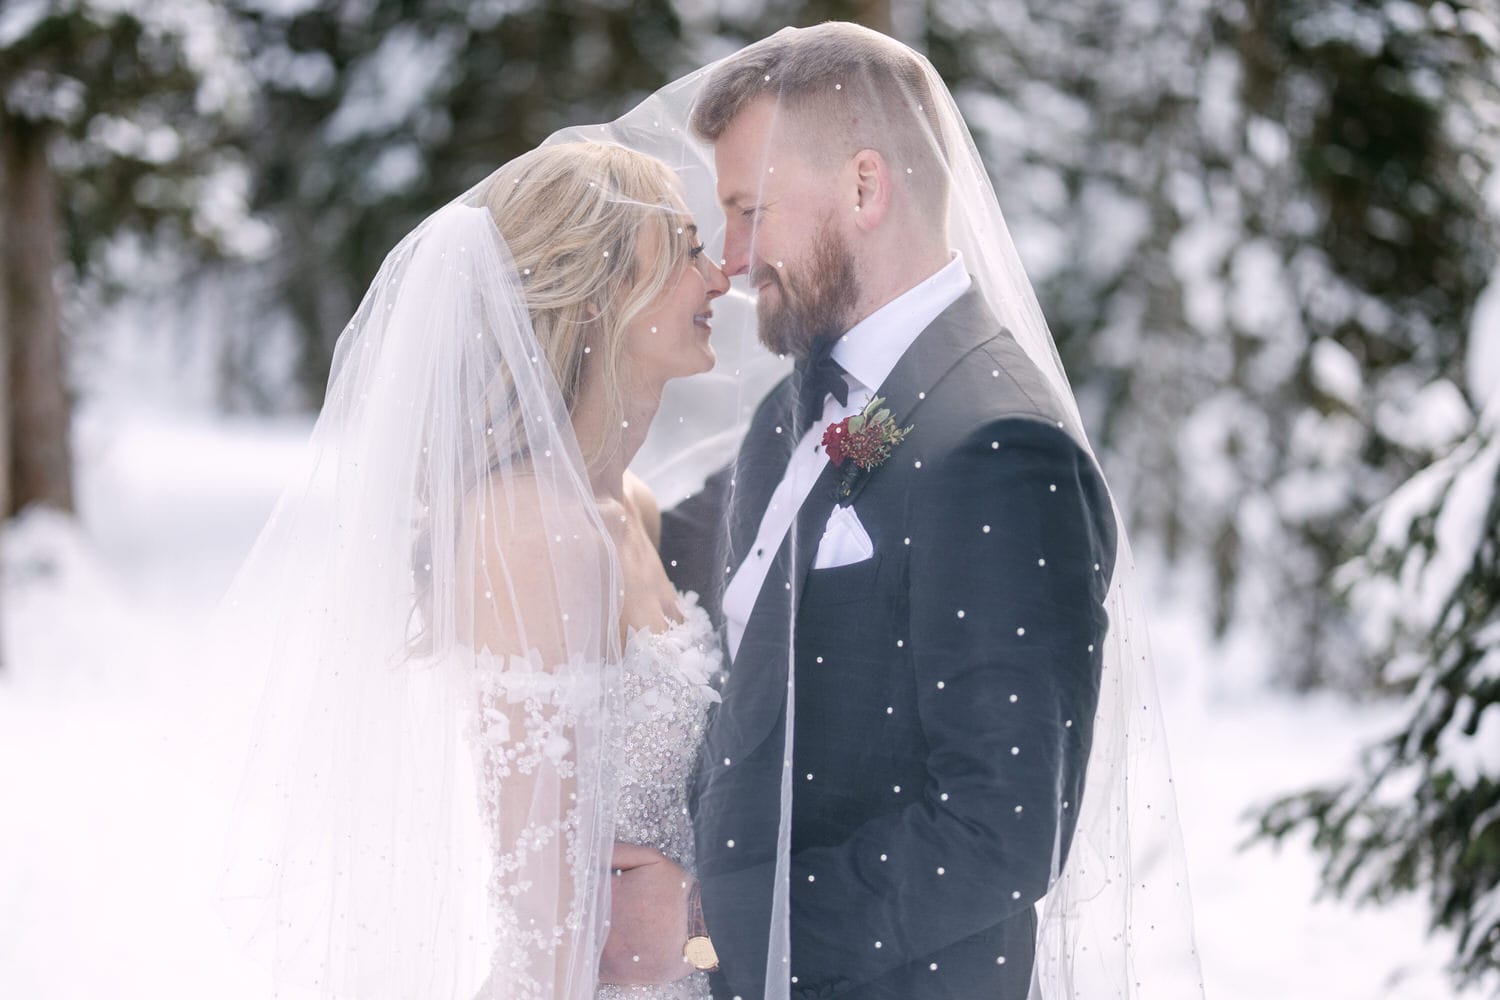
(864, 440)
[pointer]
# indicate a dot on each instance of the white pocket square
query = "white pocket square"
(844, 541)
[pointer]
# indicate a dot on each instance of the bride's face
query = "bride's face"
(670, 337)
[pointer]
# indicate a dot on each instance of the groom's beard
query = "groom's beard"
(818, 305)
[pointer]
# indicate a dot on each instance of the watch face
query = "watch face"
(699, 951)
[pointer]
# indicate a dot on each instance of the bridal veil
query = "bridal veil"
(366, 859)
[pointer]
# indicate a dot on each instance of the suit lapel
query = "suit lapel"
(759, 467)
(960, 329)
(755, 693)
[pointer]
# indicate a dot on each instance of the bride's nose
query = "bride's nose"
(714, 277)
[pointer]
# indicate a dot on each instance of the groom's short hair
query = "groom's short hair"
(848, 88)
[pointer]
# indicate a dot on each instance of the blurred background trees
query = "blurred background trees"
(1262, 231)
(1261, 236)
(1423, 813)
(372, 112)
(112, 128)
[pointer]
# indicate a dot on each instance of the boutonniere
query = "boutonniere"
(863, 441)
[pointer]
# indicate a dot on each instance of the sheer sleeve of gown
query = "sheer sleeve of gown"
(545, 771)
(525, 728)
(525, 733)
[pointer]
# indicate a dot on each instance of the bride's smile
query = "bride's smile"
(669, 339)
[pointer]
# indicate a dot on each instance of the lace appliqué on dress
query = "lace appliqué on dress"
(526, 735)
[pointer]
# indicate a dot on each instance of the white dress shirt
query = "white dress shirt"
(868, 353)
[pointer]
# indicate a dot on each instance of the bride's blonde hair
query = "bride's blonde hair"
(596, 232)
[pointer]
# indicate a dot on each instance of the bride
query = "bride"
(462, 591)
(613, 335)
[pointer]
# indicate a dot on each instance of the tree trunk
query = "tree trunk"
(40, 468)
(875, 14)
(870, 13)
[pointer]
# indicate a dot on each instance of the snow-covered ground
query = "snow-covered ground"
(118, 733)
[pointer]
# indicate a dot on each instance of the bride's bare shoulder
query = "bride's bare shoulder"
(538, 559)
(644, 503)
(529, 515)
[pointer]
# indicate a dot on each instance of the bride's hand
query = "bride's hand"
(648, 919)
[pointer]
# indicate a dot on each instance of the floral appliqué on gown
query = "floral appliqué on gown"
(522, 737)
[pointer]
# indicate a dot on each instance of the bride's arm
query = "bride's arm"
(539, 592)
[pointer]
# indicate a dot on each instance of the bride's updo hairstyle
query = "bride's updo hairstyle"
(596, 232)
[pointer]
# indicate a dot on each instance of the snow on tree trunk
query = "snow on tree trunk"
(40, 466)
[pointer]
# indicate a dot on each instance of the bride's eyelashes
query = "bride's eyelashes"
(697, 251)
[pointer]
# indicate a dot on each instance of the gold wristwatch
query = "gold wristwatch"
(699, 950)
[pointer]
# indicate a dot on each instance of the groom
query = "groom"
(941, 610)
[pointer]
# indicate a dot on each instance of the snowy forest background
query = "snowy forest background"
(1265, 235)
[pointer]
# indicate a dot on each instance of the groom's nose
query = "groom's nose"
(716, 280)
(736, 249)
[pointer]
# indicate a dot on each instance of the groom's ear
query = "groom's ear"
(872, 188)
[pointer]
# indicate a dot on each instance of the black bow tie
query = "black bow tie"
(821, 377)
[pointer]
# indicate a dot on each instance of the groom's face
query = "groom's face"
(782, 229)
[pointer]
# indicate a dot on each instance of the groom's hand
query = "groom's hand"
(648, 919)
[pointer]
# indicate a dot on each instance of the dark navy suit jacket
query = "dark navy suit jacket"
(945, 688)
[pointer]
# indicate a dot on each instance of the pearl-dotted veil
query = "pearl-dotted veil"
(428, 809)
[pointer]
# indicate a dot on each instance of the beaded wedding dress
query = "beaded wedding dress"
(662, 700)
(655, 742)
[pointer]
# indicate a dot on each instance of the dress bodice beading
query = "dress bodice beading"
(657, 729)
(659, 719)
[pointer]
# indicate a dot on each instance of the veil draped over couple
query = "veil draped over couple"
(843, 692)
